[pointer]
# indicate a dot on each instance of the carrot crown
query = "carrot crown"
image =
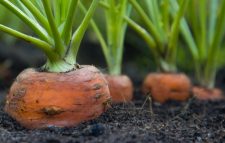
(52, 21)
(203, 31)
(160, 28)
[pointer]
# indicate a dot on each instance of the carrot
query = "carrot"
(207, 56)
(62, 94)
(111, 38)
(202, 93)
(162, 41)
(167, 86)
(120, 87)
(42, 99)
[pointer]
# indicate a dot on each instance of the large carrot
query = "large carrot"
(41, 99)
(61, 93)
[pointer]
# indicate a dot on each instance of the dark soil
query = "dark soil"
(193, 121)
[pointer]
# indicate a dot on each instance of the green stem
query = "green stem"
(111, 28)
(37, 14)
(212, 21)
(146, 36)
(186, 32)
(115, 34)
(121, 27)
(54, 62)
(66, 34)
(64, 10)
(143, 33)
(58, 65)
(147, 21)
(57, 11)
(32, 24)
(211, 69)
(59, 47)
(104, 5)
(45, 47)
(39, 5)
(203, 29)
(102, 42)
(165, 15)
(194, 22)
(79, 33)
(23, 8)
(154, 12)
(99, 35)
(172, 45)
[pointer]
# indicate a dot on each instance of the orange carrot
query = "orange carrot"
(167, 86)
(42, 99)
(202, 93)
(120, 87)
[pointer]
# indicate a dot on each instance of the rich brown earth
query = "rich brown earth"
(193, 121)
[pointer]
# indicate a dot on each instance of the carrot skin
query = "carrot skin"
(120, 87)
(202, 93)
(42, 99)
(167, 86)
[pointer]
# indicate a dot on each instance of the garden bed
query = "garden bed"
(159, 24)
(193, 121)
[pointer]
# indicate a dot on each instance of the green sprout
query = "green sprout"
(203, 31)
(160, 29)
(111, 37)
(52, 21)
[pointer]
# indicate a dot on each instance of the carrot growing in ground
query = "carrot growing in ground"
(111, 38)
(160, 31)
(61, 93)
(203, 31)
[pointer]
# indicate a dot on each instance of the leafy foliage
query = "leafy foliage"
(52, 21)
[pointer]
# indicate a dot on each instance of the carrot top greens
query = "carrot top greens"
(111, 35)
(52, 22)
(160, 29)
(203, 31)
